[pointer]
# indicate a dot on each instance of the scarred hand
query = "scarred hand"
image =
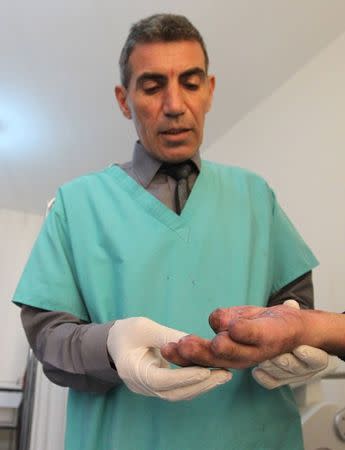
(247, 335)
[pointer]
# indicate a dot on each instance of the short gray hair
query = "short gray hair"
(158, 28)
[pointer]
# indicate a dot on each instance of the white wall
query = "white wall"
(48, 427)
(18, 231)
(296, 140)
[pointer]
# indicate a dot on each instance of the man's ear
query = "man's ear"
(211, 86)
(121, 97)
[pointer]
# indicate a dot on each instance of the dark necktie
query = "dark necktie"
(180, 172)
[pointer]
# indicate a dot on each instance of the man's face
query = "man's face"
(168, 95)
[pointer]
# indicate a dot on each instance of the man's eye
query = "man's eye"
(152, 89)
(191, 86)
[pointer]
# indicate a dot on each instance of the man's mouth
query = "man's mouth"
(175, 131)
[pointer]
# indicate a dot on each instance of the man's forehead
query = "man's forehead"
(165, 57)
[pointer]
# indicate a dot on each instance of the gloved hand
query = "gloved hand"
(304, 364)
(134, 345)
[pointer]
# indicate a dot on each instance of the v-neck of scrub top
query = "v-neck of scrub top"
(174, 221)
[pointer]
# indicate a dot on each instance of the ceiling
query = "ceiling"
(58, 67)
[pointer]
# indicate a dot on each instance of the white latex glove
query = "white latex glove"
(304, 364)
(134, 345)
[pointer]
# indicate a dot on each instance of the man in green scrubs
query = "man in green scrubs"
(137, 255)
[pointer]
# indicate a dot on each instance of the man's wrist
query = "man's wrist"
(96, 359)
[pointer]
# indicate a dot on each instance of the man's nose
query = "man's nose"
(174, 105)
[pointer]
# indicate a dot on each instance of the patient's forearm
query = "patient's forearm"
(325, 330)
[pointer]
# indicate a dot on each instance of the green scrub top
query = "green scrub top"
(110, 250)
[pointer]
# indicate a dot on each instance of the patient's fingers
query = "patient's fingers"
(194, 350)
(170, 353)
(219, 319)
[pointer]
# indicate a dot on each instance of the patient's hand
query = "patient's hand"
(247, 335)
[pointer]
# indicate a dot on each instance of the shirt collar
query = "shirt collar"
(145, 166)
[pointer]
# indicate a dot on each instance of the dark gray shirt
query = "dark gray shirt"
(74, 353)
